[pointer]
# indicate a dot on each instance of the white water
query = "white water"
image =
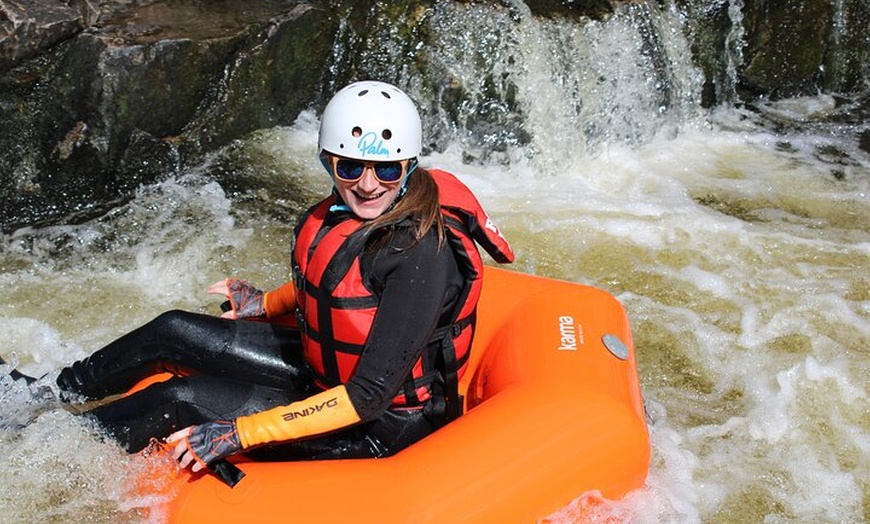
(741, 259)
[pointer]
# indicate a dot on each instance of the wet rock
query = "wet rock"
(574, 9)
(786, 46)
(798, 47)
(27, 27)
(776, 49)
(92, 111)
(864, 141)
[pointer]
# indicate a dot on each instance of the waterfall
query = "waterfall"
(734, 42)
(497, 92)
(555, 85)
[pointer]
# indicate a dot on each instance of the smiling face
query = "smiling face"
(368, 188)
(367, 196)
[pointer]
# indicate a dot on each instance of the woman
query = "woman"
(386, 277)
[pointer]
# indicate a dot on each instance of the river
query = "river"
(736, 238)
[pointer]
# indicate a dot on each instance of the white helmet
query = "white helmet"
(371, 121)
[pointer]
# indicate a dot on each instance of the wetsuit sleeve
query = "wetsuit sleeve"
(318, 414)
(280, 301)
(416, 287)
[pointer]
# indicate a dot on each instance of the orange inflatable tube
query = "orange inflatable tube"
(554, 410)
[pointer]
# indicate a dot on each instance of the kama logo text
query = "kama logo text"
(570, 334)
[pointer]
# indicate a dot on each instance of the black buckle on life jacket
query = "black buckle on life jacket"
(300, 322)
(298, 279)
(459, 326)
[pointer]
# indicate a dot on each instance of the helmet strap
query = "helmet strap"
(412, 166)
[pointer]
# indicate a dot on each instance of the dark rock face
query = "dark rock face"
(93, 109)
(798, 46)
(26, 28)
(779, 48)
(97, 98)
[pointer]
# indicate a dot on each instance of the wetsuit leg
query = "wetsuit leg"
(257, 352)
(165, 407)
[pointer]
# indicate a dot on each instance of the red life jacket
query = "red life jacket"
(336, 310)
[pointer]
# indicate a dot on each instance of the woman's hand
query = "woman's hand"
(204, 444)
(245, 300)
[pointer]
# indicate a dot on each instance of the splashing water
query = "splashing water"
(740, 254)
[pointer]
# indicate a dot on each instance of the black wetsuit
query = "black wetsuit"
(245, 366)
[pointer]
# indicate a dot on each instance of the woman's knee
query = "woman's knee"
(176, 327)
(174, 321)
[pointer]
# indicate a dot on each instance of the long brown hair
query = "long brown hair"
(420, 204)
